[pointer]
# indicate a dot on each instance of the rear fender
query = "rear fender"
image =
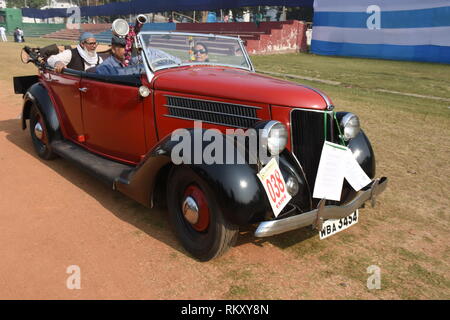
(38, 95)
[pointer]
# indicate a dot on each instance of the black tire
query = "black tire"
(217, 237)
(42, 146)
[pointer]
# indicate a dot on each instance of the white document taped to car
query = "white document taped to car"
(354, 174)
(331, 172)
(336, 163)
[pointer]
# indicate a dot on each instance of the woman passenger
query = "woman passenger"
(200, 53)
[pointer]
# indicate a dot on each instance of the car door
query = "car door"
(112, 112)
(66, 95)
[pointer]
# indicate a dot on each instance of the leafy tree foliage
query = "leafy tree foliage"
(26, 3)
(300, 13)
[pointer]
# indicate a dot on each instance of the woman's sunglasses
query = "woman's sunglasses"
(199, 51)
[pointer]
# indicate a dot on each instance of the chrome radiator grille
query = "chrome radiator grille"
(308, 136)
(222, 113)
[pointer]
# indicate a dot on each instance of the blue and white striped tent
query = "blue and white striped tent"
(417, 30)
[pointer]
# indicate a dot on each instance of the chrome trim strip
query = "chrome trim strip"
(212, 122)
(204, 100)
(330, 106)
(270, 228)
(246, 56)
(213, 112)
(312, 110)
(304, 176)
(193, 65)
(290, 121)
(145, 60)
(209, 35)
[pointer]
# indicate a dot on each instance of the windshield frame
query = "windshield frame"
(152, 70)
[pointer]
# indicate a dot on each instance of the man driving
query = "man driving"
(114, 65)
(83, 57)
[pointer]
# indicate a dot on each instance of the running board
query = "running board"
(104, 169)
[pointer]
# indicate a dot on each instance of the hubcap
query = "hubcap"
(38, 131)
(195, 208)
(190, 210)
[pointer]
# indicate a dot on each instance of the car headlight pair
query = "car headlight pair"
(274, 135)
(349, 125)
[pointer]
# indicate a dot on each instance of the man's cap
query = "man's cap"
(115, 40)
(86, 35)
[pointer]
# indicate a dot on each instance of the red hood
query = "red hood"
(237, 84)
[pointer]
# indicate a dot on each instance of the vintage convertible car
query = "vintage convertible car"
(121, 130)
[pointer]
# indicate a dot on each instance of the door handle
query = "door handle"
(83, 89)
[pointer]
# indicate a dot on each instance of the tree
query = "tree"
(300, 13)
(26, 3)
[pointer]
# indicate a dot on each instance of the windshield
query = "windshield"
(165, 50)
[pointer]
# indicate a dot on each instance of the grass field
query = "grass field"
(407, 234)
(409, 77)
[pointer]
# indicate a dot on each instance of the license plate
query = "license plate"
(274, 185)
(333, 226)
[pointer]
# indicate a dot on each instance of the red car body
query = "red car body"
(104, 124)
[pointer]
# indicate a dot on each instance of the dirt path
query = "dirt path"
(52, 216)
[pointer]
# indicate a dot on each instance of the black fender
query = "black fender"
(364, 155)
(363, 152)
(238, 191)
(241, 195)
(37, 94)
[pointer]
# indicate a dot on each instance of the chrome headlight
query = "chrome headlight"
(120, 27)
(350, 126)
(274, 136)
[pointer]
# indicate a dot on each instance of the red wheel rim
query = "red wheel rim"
(203, 211)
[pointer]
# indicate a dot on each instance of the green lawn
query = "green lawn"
(408, 232)
(411, 77)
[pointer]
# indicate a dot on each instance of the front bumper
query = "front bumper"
(317, 216)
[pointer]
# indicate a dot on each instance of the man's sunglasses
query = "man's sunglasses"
(91, 43)
(199, 51)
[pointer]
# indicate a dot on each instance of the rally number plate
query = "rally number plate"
(274, 185)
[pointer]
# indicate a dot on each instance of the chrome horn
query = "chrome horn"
(141, 19)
